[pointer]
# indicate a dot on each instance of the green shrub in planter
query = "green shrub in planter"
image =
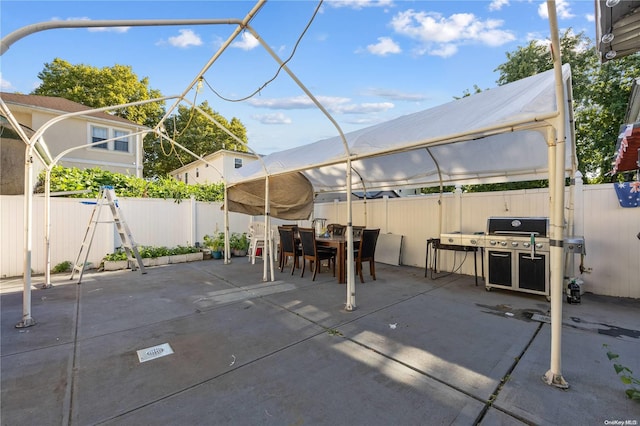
(119, 254)
(239, 243)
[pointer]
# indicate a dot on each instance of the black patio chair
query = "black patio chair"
(314, 254)
(335, 229)
(288, 247)
(366, 252)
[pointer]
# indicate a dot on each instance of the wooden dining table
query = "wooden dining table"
(340, 244)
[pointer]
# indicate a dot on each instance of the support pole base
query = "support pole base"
(27, 322)
(350, 308)
(555, 380)
(46, 286)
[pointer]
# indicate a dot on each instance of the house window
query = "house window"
(238, 163)
(99, 134)
(118, 140)
(122, 142)
(197, 172)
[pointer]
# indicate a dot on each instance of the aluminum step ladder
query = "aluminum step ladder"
(107, 196)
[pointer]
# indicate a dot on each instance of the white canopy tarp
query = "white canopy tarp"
(498, 135)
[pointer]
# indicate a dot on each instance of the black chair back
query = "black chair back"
(287, 247)
(286, 239)
(366, 252)
(335, 229)
(368, 241)
(308, 240)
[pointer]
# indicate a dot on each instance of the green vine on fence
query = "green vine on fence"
(65, 179)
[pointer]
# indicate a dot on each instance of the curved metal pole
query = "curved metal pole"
(554, 375)
(8, 40)
(441, 189)
(241, 24)
(350, 303)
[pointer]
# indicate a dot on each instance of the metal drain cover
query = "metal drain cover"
(154, 352)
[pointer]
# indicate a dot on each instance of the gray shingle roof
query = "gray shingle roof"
(58, 104)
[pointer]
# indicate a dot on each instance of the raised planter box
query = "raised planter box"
(177, 258)
(161, 260)
(115, 265)
(192, 257)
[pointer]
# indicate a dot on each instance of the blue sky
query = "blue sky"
(367, 61)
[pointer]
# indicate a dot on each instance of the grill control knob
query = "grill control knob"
(514, 244)
(492, 242)
(503, 243)
(538, 245)
(473, 242)
(526, 245)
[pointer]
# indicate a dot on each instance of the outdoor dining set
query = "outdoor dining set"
(300, 245)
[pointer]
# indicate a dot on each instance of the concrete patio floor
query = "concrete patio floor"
(416, 351)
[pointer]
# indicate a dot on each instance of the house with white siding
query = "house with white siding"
(217, 165)
(121, 153)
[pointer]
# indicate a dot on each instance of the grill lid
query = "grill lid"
(518, 226)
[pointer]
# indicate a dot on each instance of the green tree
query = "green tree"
(101, 87)
(194, 131)
(600, 95)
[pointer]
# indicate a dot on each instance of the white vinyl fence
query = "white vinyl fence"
(613, 250)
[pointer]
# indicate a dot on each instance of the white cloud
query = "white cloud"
(296, 102)
(384, 47)
(444, 50)
(441, 36)
(185, 39)
(590, 17)
(4, 84)
(246, 42)
(331, 103)
(359, 4)
(276, 118)
(498, 4)
(363, 108)
(563, 10)
(394, 95)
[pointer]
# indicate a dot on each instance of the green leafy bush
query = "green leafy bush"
(216, 242)
(62, 267)
(184, 249)
(74, 179)
(119, 254)
(238, 241)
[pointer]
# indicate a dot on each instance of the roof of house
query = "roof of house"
(59, 105)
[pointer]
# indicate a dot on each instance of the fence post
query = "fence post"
(194, 221)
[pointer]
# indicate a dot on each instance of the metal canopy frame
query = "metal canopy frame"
(556, 154)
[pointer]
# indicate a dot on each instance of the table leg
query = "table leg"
(341, 254)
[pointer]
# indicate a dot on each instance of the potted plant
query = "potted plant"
(239, 244)
(216, 244)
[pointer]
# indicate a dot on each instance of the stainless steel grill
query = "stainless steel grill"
(517, 254)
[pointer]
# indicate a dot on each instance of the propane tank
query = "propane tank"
(573, 292)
